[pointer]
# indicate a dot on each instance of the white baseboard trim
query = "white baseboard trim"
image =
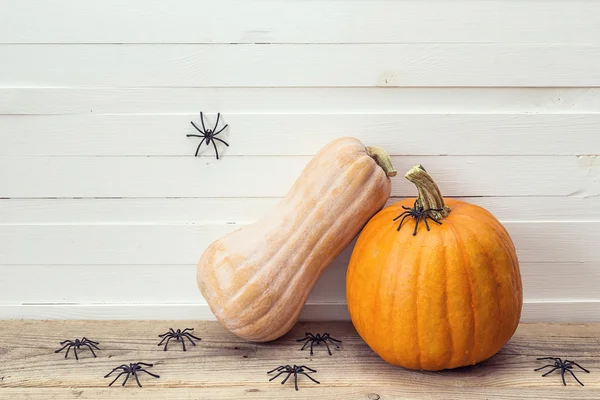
(535, 311)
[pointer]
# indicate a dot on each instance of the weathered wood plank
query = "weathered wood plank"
(224, 365)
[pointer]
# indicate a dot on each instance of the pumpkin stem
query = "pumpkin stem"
(382, 158)
(430, 197)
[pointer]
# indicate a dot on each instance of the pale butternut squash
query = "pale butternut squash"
(257, 278)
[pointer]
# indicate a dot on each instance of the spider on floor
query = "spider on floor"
(76, 344)
(563, 366)
(131, 369)
(286, 369)
(178, 335)
(318, 339)
(208, 135)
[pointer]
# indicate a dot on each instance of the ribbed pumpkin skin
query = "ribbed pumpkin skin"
(256, 279)
(441, 299)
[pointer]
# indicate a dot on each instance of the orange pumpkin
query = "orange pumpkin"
(443, 294)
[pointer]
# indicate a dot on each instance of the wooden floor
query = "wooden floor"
(223, 366)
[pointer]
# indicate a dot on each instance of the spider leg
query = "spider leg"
(198, 148)
(434, 220)
(562, 374)
(222, 141)
(203, 132)
(305, 367)
(190, 135)
(216, 151)
(62, 348)
(118, 376)
(571, 372)
(66, 341)
(276, 369)
(551, 371)
(310, 335)
(93, 344)
(165, 338)
(75, 351)
(406, 208)
(306, 344)
(311, 347)
(182, 343)
(404, 213)
(426, 224)
(545, 366)
(574, 363)
(328, 349)
(90, 341)
(166, 344)
(332, 341)
(187, 335)
(402, 222)
(416, 227)
(149, 373)
(217, 123)
(127, 377)
(220, 130)
(90, 347)
(136, 378)
(202, 120)
(310, 377)
(287, 377)
(146, 364)
(68, 349)
(282, 372)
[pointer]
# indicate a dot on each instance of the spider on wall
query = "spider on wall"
(208, 135)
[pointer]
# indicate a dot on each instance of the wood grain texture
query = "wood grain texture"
(232, 21)
(73, 100)
(334, 65)
(247, 210)
(301, 134)
(212, 369)
(272, 176)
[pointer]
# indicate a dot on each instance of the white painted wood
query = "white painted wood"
(272, 176)
(176, 284)
(301, 134)
(152, 244)
(324, 21)
(385, 65)
(36, 100)
(247, 210)
(550, 311)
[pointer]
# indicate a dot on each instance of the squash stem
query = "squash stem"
(382, 158)
(430, 197)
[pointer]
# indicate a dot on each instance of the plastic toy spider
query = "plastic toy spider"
(178, 335)
(563, 366)
(131, 369)
(70, 344)
(208, 135)
(417, 212)
(286, 369)
(318, 339)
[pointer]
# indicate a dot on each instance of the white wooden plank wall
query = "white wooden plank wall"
(104, 210)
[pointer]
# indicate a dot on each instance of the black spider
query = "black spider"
(68, 344)
(178, 335)
(286, 369)
(563, 366)
(417, 212)
(208, 135)
(131, 369)
(318, 339)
